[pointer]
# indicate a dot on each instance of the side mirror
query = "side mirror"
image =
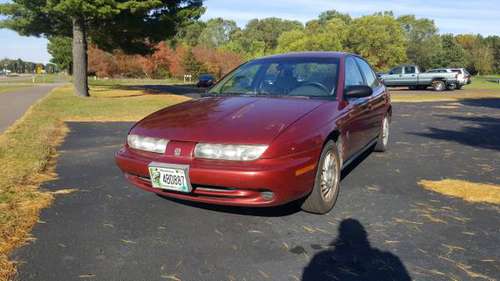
(357, 92)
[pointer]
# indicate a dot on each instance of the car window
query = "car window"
(409, 69)
(352, 74)
(371, 78)
(397, 70)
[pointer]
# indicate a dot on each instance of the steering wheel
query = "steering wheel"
(317, 85)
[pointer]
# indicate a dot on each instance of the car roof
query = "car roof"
(307, 55)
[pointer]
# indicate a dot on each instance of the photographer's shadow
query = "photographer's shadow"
(353, 259)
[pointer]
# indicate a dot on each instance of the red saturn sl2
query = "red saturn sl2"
(274, 130)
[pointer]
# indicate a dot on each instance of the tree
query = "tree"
(126, 24)
(452, 54)
(333, 14)
(317, 36)
(424, 44)
(190, 33)
(479, 54)
(494, 43)
(217, 32)
(192, 65)
(61, 50)
(268, 31)
(378, 38)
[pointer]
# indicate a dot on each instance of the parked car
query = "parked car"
(205, 80)
(275, 130)
(463, 77)
(410, 76)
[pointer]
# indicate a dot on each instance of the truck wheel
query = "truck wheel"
(459, 87)
(327, 183)
(383, 136)
(438, 85)
(451, 86)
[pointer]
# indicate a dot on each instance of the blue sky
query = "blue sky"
(451, 16)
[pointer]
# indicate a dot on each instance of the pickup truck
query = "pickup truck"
(410, 76)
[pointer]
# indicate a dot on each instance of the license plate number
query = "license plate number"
(170, 177)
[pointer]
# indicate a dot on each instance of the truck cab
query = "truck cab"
(401, 76)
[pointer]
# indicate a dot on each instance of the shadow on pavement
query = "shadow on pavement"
(176, 89)
(279, 211)
(354, 259)
(483, 132)
(486, 102)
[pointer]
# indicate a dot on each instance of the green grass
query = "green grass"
(13, 87)
(482, 83)
(28, 152)
(36, 79)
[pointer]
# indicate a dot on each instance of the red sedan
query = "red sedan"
(275, 130)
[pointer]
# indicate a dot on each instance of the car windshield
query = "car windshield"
(308, 77)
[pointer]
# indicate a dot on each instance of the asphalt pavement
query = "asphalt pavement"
(14, 104)
(384, 226)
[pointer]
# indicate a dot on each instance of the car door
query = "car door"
(409, 76)
(376, 102)
(358, 124)
(393, 78)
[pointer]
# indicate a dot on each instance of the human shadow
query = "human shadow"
(352, 258)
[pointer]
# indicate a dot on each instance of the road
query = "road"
(14, 104)
(384, 226)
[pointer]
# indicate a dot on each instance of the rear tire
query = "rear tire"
(327, 183)
(438, 85)
(451, 86)
(383, 136)
(459, 87)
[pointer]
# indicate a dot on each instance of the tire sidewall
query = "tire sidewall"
(327, 205)
(438, 82)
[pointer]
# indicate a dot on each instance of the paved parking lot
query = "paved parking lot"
(384, 226)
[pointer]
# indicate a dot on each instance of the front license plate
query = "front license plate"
(170, 177)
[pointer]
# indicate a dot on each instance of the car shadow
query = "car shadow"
(350, 257)
(278, 211)
(479, 132)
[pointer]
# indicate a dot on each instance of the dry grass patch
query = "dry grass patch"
(28, 152)
(468, 191)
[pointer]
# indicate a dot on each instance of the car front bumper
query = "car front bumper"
(260, 183)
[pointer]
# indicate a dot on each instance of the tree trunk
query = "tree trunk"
(80, 81)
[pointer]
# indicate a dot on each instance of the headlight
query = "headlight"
(147, 144)
(229, 151)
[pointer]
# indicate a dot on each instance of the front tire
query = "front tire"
(383, 136)
(327, 183)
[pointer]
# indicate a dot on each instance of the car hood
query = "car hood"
(240, 120)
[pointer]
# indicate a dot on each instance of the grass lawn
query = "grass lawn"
(13, 87)
(28, 152)
(484, 83)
